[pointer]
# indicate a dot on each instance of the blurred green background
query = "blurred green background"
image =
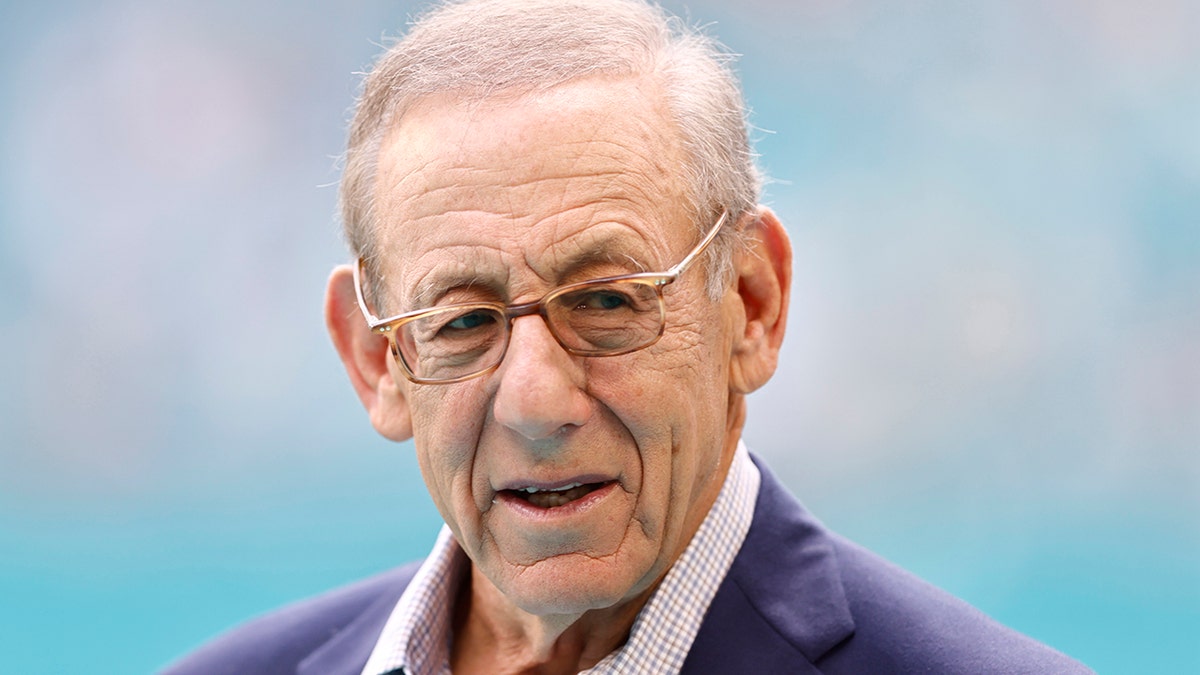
(992, 374)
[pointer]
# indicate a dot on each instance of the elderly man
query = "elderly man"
(563, 290)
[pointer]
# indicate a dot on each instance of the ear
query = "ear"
(367, 358)
(764, 282)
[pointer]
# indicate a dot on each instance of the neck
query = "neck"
(491, 635)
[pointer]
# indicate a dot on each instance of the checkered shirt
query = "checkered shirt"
(416, 638)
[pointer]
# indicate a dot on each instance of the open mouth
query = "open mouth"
(552, 498)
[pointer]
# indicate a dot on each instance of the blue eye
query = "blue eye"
(471, 320)
(602, 300)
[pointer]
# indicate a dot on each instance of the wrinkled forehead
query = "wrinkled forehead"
(591, 169)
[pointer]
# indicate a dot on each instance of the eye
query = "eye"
(471, 320)
(601, 299)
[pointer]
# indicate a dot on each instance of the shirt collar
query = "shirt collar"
(417, 635)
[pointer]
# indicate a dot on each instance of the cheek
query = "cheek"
(685, 392)
(445, 440)
(672, 419)
(680, 383)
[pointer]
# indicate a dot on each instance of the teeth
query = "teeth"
(533, 490)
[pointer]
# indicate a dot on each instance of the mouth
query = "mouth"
(551, 498)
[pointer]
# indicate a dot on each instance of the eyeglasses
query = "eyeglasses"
(602, 317)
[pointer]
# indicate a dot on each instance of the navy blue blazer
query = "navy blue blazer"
(798, 599)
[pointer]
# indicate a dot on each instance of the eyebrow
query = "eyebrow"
(605, 254)
(435, 285)
(606, 251)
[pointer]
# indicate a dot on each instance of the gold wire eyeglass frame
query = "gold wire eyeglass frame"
(657, 280)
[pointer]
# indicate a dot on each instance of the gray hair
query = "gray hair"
(476, 48)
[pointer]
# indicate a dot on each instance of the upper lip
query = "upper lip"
(530, 485)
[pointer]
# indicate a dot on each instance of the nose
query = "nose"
(541, 388)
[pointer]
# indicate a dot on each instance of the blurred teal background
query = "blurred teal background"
(992, 374)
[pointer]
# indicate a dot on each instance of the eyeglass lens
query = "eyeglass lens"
(588, 319)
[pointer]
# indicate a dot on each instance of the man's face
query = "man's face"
(504, 200)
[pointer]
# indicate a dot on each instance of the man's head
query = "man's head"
(496, 186)
(479, 49)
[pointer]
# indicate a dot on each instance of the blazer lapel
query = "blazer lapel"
(782, 606)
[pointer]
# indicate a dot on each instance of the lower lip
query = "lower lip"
(574, 508)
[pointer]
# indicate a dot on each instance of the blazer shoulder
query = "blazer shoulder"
(913, 625)
(278, 641)
(845, 609)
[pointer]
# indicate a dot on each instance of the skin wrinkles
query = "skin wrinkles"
(605, 159)
(423, 206)
(596, 251)
(677, 357)
(548, 194)
(453, 267)
(668, 425)
(683, 369)
(591, 253)
(463, 267)
(420, 213)
(433, 175)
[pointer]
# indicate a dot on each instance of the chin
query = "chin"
(567, 585)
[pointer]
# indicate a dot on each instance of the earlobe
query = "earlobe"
(367, 359)
(764, 280)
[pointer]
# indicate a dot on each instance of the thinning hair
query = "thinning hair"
(479, 48)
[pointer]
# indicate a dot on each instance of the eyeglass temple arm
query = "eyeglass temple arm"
(687, 260)
(372, 320)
